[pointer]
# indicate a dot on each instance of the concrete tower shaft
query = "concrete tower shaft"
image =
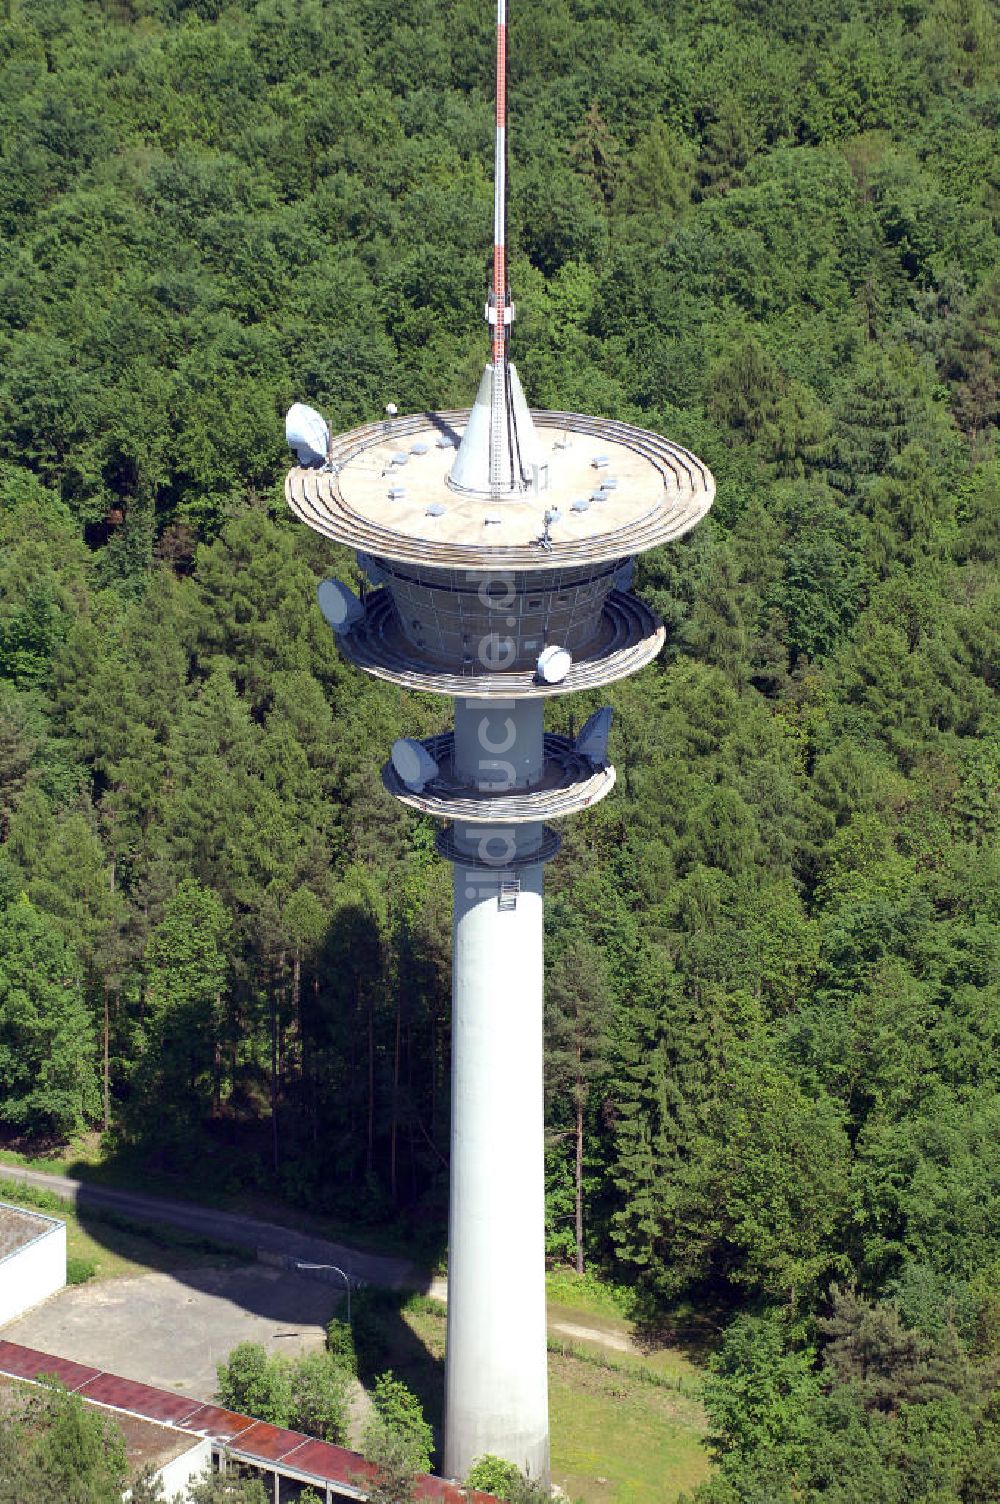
(496, 1382)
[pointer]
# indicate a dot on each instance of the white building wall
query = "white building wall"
(32, 1273)
(176, 1476)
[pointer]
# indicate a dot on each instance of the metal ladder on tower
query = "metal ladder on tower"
(498, 427)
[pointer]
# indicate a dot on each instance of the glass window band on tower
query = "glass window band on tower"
(443, 612)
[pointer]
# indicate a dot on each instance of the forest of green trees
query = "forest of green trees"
(768, 230)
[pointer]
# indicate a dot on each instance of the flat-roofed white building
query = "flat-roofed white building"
(32, 1259)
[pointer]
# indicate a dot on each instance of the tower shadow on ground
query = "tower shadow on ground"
(384, 1324)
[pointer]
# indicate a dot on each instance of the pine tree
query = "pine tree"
(47, 1078)
(578, 1017)
(186, 972)
(74, 882)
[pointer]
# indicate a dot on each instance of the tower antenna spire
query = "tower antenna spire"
(500, 291)
(506, 470)
(500, 456)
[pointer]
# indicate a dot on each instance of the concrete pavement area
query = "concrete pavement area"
(172, 1329)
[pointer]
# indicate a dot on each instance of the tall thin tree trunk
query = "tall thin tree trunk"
(112, 878)
(297, 1003)
(314, 1076)
(370, 1158)
(579, 1187)
(395, 1103)
(217, 1057)
(275, 1150)
(352, 1095)
(434, 1074)
(107, 1060)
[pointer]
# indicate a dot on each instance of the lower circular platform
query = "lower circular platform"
(629, 636)
(570, 782)
(448, 847)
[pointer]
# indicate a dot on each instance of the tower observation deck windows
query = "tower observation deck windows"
(448, 613)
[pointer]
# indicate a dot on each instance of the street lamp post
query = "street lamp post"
(337, 1270)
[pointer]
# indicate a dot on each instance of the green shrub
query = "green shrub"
(371, 1314)
(425, 1305)
(320, 1393)
(225, 1488)
(492, 1475)
(340, 1345)
(78, 1271)
(398, 1412)
(252, 1382)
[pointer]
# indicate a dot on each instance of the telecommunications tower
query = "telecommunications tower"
(500, 544)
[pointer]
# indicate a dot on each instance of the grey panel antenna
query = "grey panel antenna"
(593, 739)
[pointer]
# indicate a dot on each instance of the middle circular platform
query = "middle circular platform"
(629, 636)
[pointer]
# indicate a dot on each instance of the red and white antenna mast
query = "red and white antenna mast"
(500, 291)
(500, 456)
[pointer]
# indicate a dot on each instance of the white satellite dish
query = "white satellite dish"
(554, 663)
(593, 739)
(339, 605)
(308, 434)
(413, 763)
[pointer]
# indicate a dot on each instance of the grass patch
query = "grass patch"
(618, 1440)
(678, 1376)
(633, 1421)
(589, 1294)
(49, 1165)
(79, 1271)
(113, 1246)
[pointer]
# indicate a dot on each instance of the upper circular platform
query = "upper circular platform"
(387, 494)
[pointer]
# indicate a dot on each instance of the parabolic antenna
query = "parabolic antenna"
(339, 605)
(413, 762)
(554, 663)
(593, 739)
(308, 434)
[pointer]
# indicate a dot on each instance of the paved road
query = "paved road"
(271, 1243)
(282, 1243)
